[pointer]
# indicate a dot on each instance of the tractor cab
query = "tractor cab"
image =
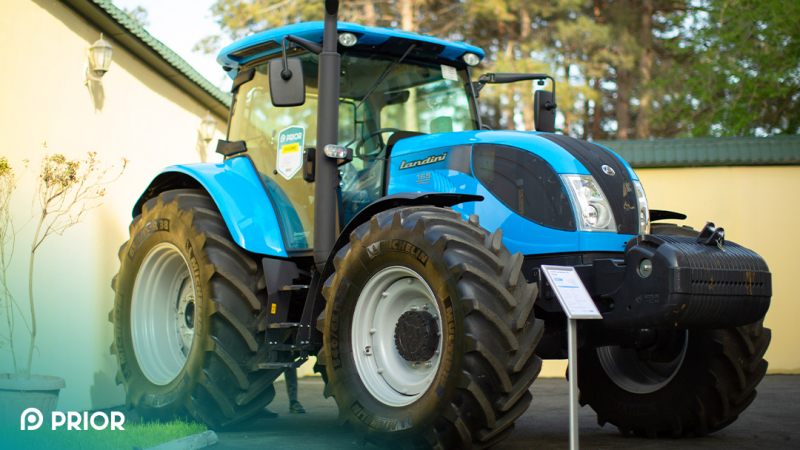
(392, 85)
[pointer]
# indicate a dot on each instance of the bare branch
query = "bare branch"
(66, 190)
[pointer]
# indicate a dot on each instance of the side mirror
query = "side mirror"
(286, 84)
(544, 111)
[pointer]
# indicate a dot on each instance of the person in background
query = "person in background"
(291, 390)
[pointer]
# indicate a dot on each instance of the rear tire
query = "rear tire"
(471, 285)
(206, 372)
(692, 394)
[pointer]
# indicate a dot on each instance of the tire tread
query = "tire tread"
(497, 302)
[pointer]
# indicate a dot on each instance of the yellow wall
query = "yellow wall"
(758, 209)
(143, 118)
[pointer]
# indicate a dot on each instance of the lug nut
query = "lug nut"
(372, 331)
(415, 365)
(410, 280)
(385, 294)
(414, 307)
(428, 364)
(380, 370)
(426, 306)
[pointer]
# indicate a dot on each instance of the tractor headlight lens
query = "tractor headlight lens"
(591, 215)
(471, 59)
(335, 151)
(643, 210)
(590, 204)
(348, 39)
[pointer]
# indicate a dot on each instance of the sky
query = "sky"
(180, 24)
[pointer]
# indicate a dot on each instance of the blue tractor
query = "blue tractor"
(365, 215)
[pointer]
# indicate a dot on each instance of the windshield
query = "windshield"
(415, 98)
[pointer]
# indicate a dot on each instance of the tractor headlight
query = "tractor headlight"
(590, 204)
(471, 59)
(348, 39)
(643, 210)
(335, 151)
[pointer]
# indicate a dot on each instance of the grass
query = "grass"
(142, 435)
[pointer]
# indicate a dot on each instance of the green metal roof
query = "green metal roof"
(733, 151)
(113, 22)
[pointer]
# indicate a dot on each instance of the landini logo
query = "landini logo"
(32, 419)
(423, 162)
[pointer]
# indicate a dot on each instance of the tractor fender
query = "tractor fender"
(401, 199)
(240, 195)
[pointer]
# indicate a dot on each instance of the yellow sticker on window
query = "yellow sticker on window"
(290, 148)
(274, 308)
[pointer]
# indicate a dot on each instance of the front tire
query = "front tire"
(406, 275)
(185, 315)
(696, 383)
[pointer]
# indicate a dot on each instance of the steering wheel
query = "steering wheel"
(361, 141)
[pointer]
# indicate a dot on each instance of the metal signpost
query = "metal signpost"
(577, 304)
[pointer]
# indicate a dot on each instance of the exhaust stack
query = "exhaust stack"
(327, 180)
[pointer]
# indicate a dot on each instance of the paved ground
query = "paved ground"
(771, 422)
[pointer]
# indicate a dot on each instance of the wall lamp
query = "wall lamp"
(99, 60)
(208, 127)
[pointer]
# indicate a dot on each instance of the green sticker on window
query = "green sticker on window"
(290, 151)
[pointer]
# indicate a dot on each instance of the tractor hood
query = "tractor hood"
(548, 146)
(565, 155)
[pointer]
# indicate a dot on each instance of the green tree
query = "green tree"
(625, 68)
(138, 15)
(737, 71)
(240, 18)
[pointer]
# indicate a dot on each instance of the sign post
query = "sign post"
(577, 304)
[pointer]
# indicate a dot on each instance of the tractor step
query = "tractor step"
(294, 287)
(284, 347)
(284, 325)
(282, 365)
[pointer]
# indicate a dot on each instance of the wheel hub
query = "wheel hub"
(185, 320)
(416, 335)
(396, 337)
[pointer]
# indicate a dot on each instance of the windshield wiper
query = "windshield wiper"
(385, 74)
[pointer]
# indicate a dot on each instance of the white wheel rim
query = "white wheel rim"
(386, 374)
(162, 314)
(627, 371)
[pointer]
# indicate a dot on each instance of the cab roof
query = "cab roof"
(268, 42)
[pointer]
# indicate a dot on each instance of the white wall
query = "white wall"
(143, 118)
